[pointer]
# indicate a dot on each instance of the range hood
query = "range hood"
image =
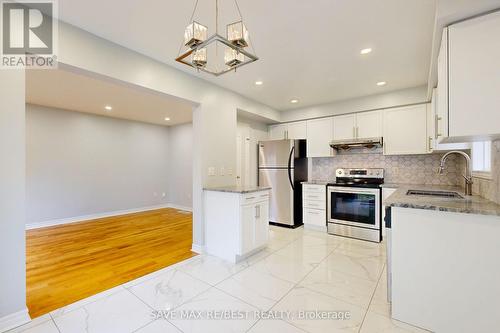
(357, 143)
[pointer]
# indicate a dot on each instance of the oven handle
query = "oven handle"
(353, 190)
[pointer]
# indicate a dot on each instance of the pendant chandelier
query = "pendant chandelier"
(216, 54)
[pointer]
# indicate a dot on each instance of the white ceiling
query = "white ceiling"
(308, 49)
(73, 91)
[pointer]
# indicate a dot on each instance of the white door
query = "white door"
(297, 130)
(344, 127)
(405, 130)
(247, 231)
(319, 136)
(239, 158)
(369, 124)
(278, 132)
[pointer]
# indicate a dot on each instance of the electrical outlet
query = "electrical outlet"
(163, 194)
(222, 171)
(229, 171)
(211, 171)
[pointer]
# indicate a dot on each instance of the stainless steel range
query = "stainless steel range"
(354, 206)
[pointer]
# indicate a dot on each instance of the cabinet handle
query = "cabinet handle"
(250, 198)
(430, 143)
(357, 132)
(257, 212)
(315, 213)
(354, 132)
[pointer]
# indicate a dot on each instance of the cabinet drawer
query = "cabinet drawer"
(315, 196)
(315, 204)
(309, 188)
(251, 198)
(314, 217)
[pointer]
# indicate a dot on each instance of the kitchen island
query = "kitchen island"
(444, 258)
(236, 221)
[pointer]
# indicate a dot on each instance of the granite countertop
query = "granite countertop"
(469, 205)
(316, 182)
(238, 189)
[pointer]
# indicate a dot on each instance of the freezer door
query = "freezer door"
(281, 199)
(276, 153)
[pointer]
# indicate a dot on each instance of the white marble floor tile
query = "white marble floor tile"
(257, 288)
(368, 268)
(369, 249)
(73, 306)
(42, 324)
(340, 285)
(282, 267)
(121, 312)
(169, 290)
(379, 303)
(210, 269)
(158, 326)
(375, 323)
(274, 326)
(216, 304)
(258, 256)
(303, 299)
(307, 254)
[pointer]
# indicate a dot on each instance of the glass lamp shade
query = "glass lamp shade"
(195, 34)
(200, 58)
(237, 34)
(232, 57)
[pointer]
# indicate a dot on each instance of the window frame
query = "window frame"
(484, 174)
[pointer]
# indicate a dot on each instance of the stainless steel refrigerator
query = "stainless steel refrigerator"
(283, 166)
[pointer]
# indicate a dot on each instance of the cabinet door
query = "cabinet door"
(278, 132)
(261, 224)
(442, 90)
(344, 127)
(319, 136)
(369, 124)
(405, 130)
(474, 77)
(247, 230)
(297, 130)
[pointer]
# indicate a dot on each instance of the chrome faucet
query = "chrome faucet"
(468, 169)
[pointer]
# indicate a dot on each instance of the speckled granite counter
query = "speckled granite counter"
(238, 189)
(468, 205)
(316, 182)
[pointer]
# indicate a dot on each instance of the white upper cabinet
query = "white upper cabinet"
(319, 136)
(405, 130)
(363, 125)
(474, 78)
(369, 125)
(344, 127)
(441, 93)
(294, 131)
(278, 132)
(297, 130)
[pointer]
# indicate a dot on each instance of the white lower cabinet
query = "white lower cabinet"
(386, 192)
(314, 206)
(236, 224)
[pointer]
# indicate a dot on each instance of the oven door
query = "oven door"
(358, 207)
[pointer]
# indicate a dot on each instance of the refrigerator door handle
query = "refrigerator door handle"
(290, 168)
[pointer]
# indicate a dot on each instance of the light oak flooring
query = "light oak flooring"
(70, 262)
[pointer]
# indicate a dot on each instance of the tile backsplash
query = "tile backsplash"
(408, 169)
(490, 188)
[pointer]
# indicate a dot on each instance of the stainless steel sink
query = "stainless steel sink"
(441, 194)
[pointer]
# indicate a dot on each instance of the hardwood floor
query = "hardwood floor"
(70, 262)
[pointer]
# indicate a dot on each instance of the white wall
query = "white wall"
(12, 204)
(373, 102)
(180, 152)
(254, 131)
(81, 164)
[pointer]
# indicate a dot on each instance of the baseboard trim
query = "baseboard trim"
(76, 219)
(200, 249)
(14, 320)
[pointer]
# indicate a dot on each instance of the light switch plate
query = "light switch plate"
(211, 171)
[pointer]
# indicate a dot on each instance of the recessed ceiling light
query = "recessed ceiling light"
(381, 83)
(109, 108)
(167, 118)
(366, 51)
(259, 83)
(294, 101)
